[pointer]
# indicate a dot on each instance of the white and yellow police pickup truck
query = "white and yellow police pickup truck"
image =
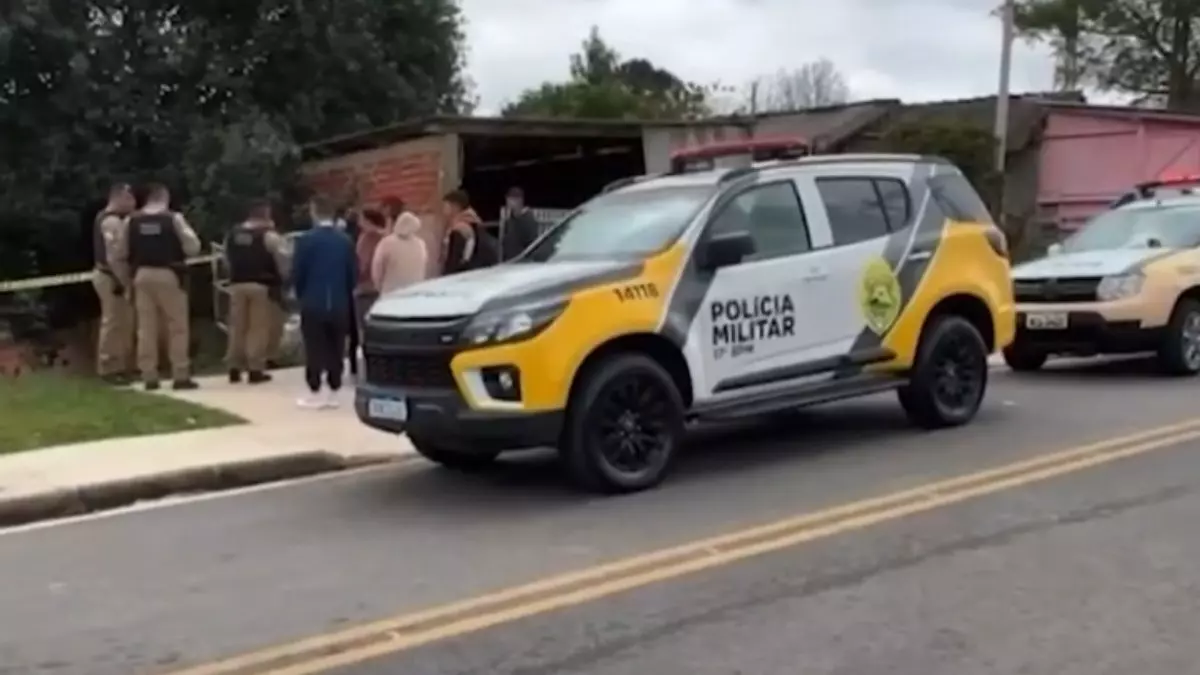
(707, 295)
(1128, 281)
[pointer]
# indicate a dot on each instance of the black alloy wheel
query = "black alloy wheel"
(949, 378)
(960, 373)
(629, 422)
(624, 425)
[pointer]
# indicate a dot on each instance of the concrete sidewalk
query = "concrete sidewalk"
(279, 441)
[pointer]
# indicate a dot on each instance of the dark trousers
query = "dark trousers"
(324, 335)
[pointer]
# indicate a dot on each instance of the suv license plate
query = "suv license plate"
(1046, 321)
(390, 409)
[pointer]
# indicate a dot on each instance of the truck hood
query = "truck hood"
(1087, 263)
(512, 283)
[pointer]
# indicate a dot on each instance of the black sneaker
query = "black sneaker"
(258, 377)
(152, 385)
(235, 376)
(184, 385)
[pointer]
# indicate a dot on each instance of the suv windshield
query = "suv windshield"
(621, 225)
(1166, 227)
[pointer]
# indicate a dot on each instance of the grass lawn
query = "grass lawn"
(41, 410)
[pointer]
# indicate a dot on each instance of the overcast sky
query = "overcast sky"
(909, 49)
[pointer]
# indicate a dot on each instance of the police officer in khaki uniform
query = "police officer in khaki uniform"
(153, 252)
(257, 264)
(114, 346)
(279, 313)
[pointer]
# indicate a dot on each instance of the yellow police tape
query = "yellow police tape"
(70, 278)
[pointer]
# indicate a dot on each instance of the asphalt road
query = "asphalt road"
(1091, 573)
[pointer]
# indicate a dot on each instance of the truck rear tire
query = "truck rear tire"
(949, 376)
(624, 425)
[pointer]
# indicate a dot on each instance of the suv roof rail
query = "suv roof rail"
(626, 181)
(734, 174)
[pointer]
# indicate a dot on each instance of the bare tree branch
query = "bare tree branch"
(812, 85)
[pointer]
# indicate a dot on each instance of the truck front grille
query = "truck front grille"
(1076, 289)
(424, 370)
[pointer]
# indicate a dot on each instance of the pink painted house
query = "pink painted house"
(1090, 155)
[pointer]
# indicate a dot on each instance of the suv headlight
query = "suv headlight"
(513, 323)
(1119, 286)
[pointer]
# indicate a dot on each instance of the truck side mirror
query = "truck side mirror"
(724, 250)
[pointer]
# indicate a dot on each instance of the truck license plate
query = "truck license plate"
(1046, 321)
(390, 409)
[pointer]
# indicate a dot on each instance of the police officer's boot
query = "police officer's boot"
(257, 377)
(235, 376)
(184, 385)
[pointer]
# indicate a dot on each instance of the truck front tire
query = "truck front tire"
(1024, 359)
(1179, 353)
(624, 425)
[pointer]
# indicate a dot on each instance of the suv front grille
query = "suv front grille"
(1077, 289)
(426, 370)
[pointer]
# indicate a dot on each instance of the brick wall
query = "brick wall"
(418, 171)
(412, 170)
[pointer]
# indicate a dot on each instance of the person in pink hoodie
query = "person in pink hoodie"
(401, 258)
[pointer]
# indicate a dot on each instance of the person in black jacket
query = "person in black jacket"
(466, 246)
(520, 227)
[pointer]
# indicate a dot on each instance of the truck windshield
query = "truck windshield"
(621, 225)
(1165, 227)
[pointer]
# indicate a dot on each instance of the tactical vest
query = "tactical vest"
(250, 261)
(154, 242)
(99, 243)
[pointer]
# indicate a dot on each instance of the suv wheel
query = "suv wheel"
(1023, 359)
(949, 376)
(466, 462)
(625, 422)
(1179, 353)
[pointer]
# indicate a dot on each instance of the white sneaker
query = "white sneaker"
(311, 401)
(330, 400)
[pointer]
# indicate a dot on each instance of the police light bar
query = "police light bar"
(1184, 182)
(737, 154)
(1168, 179)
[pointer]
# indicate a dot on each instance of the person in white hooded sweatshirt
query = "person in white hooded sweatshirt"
(401, 258)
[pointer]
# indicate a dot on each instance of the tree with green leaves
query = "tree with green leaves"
(213, 97)
(1150, 48)
(602, 85)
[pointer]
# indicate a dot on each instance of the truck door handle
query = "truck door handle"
(815, 274)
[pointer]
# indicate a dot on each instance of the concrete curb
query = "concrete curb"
(74, 501)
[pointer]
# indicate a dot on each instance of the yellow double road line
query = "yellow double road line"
(353, 645)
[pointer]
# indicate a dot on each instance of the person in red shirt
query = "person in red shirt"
(372, 228)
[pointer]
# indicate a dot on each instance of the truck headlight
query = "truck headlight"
(513, 323)
(1119, 286)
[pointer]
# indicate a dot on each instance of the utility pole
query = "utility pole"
(1002, 94)
(1007, 12)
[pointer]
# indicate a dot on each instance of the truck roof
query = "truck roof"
(717, 176)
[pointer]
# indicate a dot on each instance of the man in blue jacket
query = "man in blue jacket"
(324, 273)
